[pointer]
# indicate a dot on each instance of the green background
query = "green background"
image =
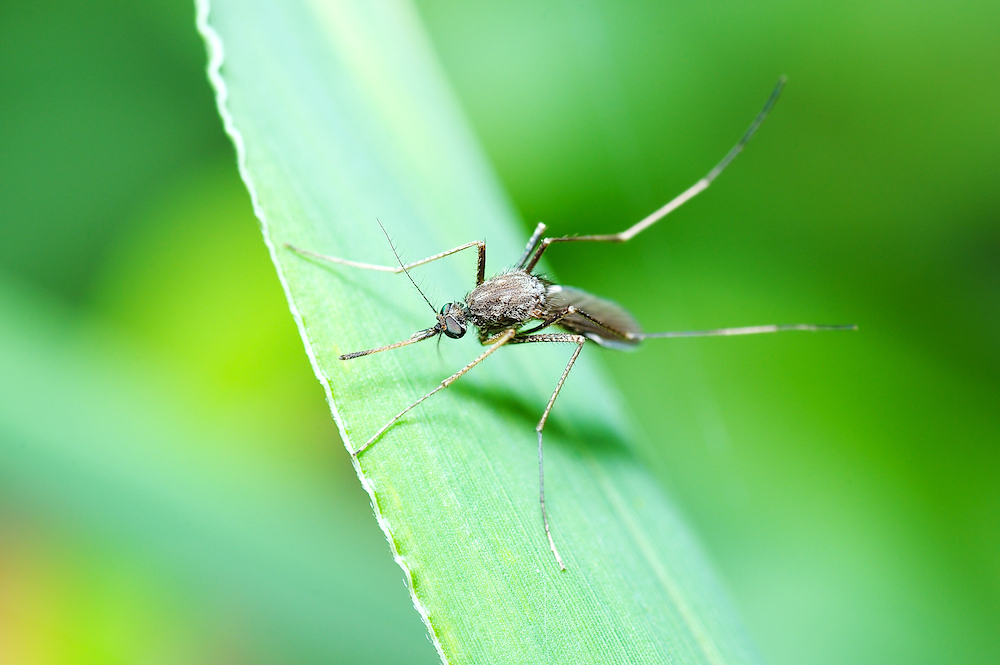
(171, 486)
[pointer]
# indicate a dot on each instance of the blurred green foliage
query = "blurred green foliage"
(170, 482)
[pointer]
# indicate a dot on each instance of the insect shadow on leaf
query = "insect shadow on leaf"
(517, 306)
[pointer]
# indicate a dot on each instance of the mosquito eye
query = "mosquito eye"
(453, 328)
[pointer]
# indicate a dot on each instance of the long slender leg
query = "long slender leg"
(563, 313)
(532, 244)
(498, 341)
(524, 333)
(606, 326)
(551, 321)
(579, 340)
(748, 330)
(677, 202)
(480, 269)
(572, 309)
(719, 332)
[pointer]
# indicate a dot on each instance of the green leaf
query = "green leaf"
(341, 115)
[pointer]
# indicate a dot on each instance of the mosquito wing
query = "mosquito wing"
(615, 322)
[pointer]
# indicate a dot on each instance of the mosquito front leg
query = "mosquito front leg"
(579, 340)
(480, 272)
(498, 341)
(675, 203)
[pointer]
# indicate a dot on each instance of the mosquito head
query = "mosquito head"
(451, 320)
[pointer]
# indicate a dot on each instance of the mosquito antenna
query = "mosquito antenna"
(738, 148)
(407, 272)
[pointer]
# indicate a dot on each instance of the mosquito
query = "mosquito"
(518, 306)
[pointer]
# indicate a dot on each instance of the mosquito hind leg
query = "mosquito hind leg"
(579, 340)
(747, 330)
(674, 203)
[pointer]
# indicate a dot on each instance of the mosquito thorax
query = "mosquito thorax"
(506, 299)
(451, 320)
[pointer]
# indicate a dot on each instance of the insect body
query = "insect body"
(516, 297)
(517, 306)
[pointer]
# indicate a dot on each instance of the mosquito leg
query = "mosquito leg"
(551, 321)
(571, 309)
(602, 324)
(749, 330)
(579, 340)
(498, 341)
(562, 314)
(532, 244)
(481, 268)
(678, 201)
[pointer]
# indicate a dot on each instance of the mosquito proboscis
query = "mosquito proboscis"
(516, 306)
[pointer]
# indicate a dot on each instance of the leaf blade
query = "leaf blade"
(340, 115)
